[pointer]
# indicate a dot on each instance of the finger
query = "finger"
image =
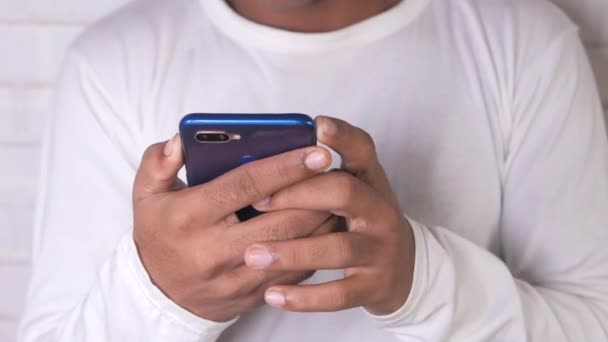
(158, 170)
(332, 224)
(254, 181)
(254, 297)
(324, 252)
(244, 281)
(357, 149)
(338, 192)
(280, 225)
(328, 297)
(355, 146)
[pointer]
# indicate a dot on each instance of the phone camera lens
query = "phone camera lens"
(212, 137)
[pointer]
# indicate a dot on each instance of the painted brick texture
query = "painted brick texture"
(34, 35)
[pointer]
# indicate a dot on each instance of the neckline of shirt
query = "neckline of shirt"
(247, 32)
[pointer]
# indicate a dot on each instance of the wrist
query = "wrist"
(403, 294)
(168, 308)
(402, 274)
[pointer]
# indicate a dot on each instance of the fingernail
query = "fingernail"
(316, 160)
(275, 298)
(259, 257)
(262, 203)
(170, 146)
(329, 126)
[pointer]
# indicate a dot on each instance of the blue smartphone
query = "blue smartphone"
(214, 144)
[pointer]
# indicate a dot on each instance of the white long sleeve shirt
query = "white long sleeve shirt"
(486, 118)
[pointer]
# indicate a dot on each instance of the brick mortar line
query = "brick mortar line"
(20, 143)
(28, 85)
(44, 23)
(21, 263)
(21, 204)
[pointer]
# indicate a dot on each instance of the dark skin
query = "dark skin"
(198, 253)
(310, 15)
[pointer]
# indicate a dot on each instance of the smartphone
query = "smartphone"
(214, 144)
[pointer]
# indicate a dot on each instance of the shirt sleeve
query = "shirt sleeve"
(88, 283)
(550, 279)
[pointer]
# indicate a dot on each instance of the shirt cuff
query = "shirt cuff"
(397, 318)
(207, 330)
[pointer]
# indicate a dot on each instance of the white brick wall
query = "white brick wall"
(33, 37)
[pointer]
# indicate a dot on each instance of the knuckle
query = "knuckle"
(357, 224)
(391, 251)
(231, 289)
(314, 253)
(209, 269)
(155, 175)
(367, 138)
(282, 168)
(203, 200)
(147, 173)
(151, 152)
(348, 187)
(394, 218)
(150, 156)
(344, 247)
(240, 243)
(279, 232)
(367, 249)
(249, 183)
(291, 256)
(289, 225)
(222, 292)
(242, 288)
(276, 229)
(211, 195)
(368, 146)
(209, 266)
(179, 220)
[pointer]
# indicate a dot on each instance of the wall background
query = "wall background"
(33, 37)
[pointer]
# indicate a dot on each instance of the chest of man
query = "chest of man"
(435, 138)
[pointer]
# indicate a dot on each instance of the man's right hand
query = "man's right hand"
(191, 242)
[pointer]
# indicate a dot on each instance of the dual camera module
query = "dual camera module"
(215, 137)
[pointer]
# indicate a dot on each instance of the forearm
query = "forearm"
(121, 305)
(463, 293)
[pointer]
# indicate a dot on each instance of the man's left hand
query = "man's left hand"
(377, 249)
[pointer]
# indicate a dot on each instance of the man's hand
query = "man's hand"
(192, 244)
(377, 251)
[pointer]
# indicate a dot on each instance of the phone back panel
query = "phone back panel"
(261, 136)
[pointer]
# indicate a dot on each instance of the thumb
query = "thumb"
(357, 149)
(158, 170)
(354, 145)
